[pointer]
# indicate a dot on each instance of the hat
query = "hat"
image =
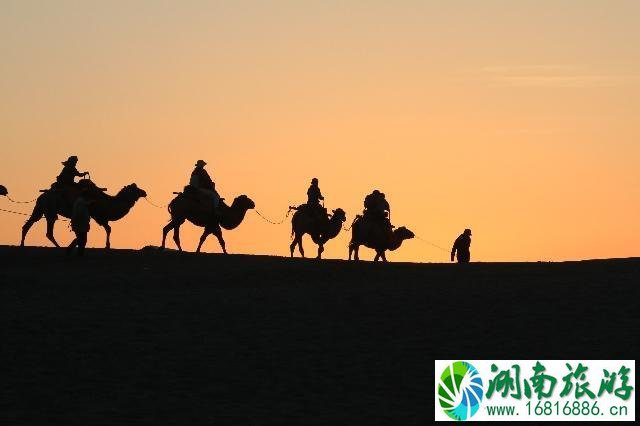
(73, 159)
(201, 163)
(467, 231)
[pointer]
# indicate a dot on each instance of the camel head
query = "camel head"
(3, 190)
(243, 202)
(403, 233)
(132, 192)
(339, 214)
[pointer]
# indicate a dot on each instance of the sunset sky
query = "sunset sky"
(518, 119)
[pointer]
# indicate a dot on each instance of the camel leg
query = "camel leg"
(320, 250)
(51, 220)
(356, 249)
(169, 226)
(218, 233)
(292, 246)
(300, 248)
(176, 236)
(204, 236)
(383, 256)
(28, 224)
(107, 229)
(375, 259)
(297, 241)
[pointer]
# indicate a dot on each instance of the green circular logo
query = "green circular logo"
(460, 390)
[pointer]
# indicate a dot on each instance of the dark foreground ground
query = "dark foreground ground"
(127, 337)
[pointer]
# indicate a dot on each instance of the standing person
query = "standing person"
(80, 224)
(461, 247)
(201, 181)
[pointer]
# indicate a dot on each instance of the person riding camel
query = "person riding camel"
(206, 188)
(376, 207)
(69, 172)
(314, 195)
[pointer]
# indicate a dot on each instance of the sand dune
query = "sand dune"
(126, 337)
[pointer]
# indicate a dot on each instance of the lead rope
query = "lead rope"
(432, 244)
(154, 204)
(20, 202)
(271, 221)
(14, 212)
(27, 214)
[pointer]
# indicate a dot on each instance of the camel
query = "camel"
(186, 207)
(104, 208)
(302, 223)
(365, 232)
(3, 190)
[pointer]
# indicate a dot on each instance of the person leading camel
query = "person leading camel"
(80, 223)
(461, 247)
(202, 182)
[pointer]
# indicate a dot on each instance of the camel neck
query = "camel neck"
(396, 243)
(232, 217)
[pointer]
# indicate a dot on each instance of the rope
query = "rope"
(13, 212)
(271, 221)
(432, 244)
(20, 202)
(154, 204)
(27, 214)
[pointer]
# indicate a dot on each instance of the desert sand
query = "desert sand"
(130, 337)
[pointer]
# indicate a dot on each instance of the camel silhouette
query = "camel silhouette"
(3, 190)
(187, 207)
(104, 209)
(303, 222)
(372, 234)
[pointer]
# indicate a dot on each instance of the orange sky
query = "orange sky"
(517, 119)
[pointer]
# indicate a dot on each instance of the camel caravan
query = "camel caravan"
(200, 204)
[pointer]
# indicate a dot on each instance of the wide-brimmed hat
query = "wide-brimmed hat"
(467, 231)
(201, 163)
(73, 159)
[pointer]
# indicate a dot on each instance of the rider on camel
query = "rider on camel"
(69, 173)
(201, 181)
(314, 195)
(376, 207)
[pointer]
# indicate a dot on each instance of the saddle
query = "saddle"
(193, 194)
